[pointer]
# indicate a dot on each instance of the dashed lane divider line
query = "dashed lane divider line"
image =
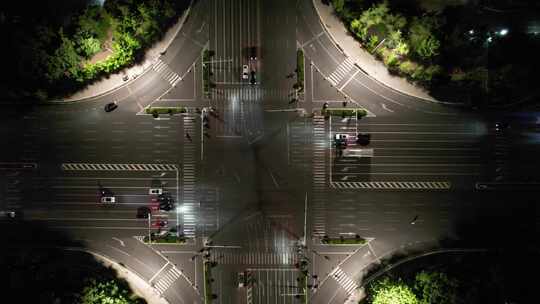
(392, 185)
(118, 167)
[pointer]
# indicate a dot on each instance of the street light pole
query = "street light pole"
(202, 132)
(305, 220)
(149, 235)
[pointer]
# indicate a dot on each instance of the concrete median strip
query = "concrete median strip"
(434, 185)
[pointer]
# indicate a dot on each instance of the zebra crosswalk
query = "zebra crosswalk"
(118, 167)
(167, 280)
(166, 72)
(254, 258)
(139, 238)
(299, 143)
(392, 185)
(249, 294)
(319, 175)
(344, 281)
(341, 71)
(189, 214)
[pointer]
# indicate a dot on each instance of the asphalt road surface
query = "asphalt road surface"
(264, 177)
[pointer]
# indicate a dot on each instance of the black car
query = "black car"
(363, 139)
(165, 197)
(252, 78)
(253, 53)
(501, 126)
(167, 206)
(111, 106)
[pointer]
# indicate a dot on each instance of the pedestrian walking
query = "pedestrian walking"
(189, 137)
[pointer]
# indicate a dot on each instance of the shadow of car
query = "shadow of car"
(142, 212)
(363, 139)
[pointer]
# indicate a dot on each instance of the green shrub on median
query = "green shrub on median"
(347, 112)
(300, 70)
(208, 297)
(166, 239)
(345, 241)
(165, 110)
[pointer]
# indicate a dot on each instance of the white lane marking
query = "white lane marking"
(349, 80)
(121, 251)
(120, 241)
(156, 274)
(386, 108)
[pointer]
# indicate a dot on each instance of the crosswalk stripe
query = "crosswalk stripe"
(344, 281)
(341, 71)
(166, 72)
(434, 185)
(166, 281)
(255, 258)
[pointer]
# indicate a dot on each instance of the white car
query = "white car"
(358, 153)
(245, 71)
(155, 191)
(108, 199)
(341, 137)
(241, 279)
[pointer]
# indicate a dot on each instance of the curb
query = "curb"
(145, 69)
(370, 76)
(109, 260)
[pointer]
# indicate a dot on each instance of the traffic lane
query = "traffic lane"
(326, 58)
(275, 285)
(342, 165)
(329, 292)
(379, 142)
(457, 127)
(126, 250)
(195, 27)
(385, 168)
(278, 44)
(135, 226)
(309, 20)
(151, 179)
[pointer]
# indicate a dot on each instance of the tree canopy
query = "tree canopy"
(107, 292)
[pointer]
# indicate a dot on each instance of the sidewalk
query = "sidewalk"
(139, 286)
(352, 49)
(116, 81)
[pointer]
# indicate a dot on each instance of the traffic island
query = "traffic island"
(207, 72)
(165, 239)
(357, 240)
(208, 295)
(303, 282)
(156, 111)
(344, 112)
(299, 85)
